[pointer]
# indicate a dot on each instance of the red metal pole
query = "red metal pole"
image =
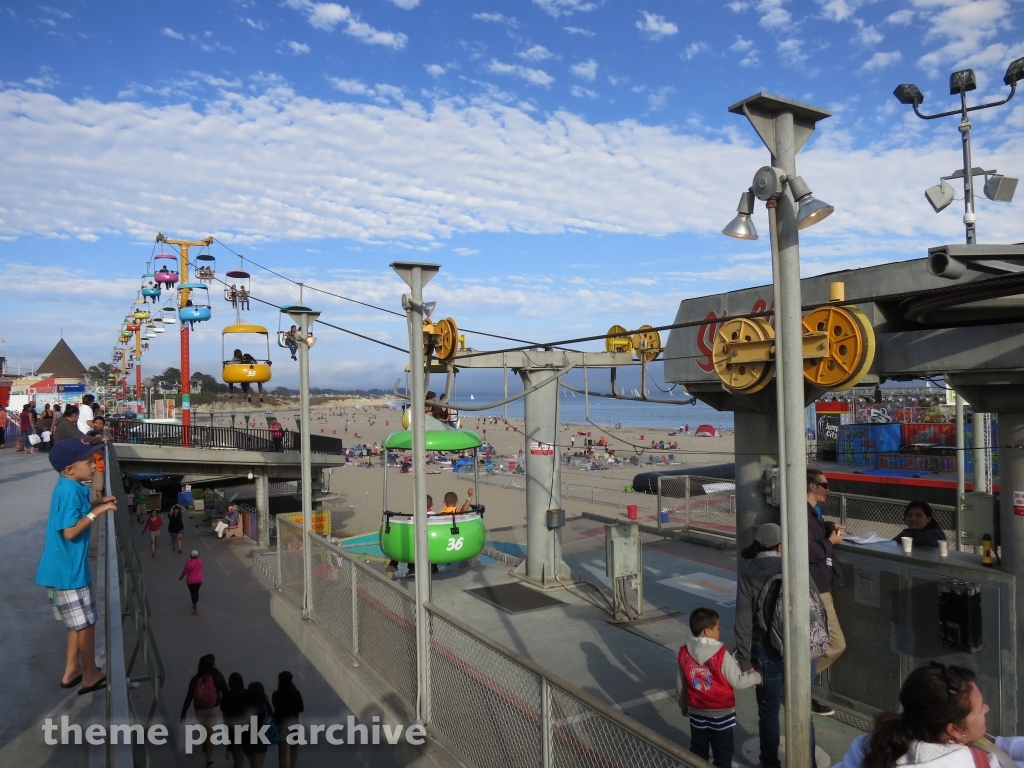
(186, 390)
(138, 381)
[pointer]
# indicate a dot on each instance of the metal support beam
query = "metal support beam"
(1011, 521)
(416, 276)
(756, 442)
(262, 483)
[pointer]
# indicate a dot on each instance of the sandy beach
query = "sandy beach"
(358, 509)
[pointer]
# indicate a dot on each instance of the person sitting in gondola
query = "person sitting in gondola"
(243, 298)
(290, 342)
(451, 503)
(164, 270)
(392, 566)
(156, 295)
(237, 358)
(191, 323)
(233, 295)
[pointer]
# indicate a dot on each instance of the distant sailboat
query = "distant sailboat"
(472, 398)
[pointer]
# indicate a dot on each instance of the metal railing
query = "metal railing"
(124, 569)
(592, 493)
(708, 505)
(216, 437)
(486, 702)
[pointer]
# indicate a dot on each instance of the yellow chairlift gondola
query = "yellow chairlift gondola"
(243, 367)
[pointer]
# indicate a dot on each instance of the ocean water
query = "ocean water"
(605, 411)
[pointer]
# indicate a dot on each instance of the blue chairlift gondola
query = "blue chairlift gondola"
(197, 308)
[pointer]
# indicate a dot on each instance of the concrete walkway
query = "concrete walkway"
(34, 644)
(234, 623)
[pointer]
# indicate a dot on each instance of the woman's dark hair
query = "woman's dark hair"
(924, 506)
(206, 664)
(69, 411)
(235, 682)
(284, 680)
(256, 693)
(932, 698)
(753, 549)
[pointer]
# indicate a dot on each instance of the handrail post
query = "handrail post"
(842, 509)
(118, 755)
(546, 724)
(658, 510)
(355, 609)
(687, 503)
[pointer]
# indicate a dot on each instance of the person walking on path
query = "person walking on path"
(277, 434)
(825, 571)
(232, 708)
(176, 527)
(192, 573)
(28, 427)
(64, 565)
(3, 427)
(260, 709)
(85, 414)
(287, 704)
(205, 690)
(153, 524)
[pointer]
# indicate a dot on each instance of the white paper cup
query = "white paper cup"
(943, 548)
(907, 542)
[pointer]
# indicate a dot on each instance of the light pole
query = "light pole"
(304, 317)
(416, 276)
(233, 415)
(997, 188)
(784, 126)
(246, 414)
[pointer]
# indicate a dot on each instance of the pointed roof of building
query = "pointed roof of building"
(62, 363)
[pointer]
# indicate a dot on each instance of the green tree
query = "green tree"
(208, 383)
(98, 373)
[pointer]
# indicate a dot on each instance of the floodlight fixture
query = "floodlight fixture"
(742, 226)
(908, 93)
(811, 210)
(1014, 72)
(1000, 188)
(940, 196)
(962, 81)
(428, 308)
(310, 340)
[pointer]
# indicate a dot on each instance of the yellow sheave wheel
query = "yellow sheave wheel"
(448, 336)
(750, 376)
(617, 343)
(851, 347)
(646, 344)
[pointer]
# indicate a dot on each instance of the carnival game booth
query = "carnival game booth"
(451, 538)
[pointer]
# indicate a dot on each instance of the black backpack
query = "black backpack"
(770, 617)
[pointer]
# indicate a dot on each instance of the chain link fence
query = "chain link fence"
(494, 707)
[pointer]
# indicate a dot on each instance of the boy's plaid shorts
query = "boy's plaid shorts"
(75, 607)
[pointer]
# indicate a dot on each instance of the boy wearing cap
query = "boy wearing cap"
(64, 566)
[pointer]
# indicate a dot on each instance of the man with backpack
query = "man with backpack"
(826, 574)
(759, 631)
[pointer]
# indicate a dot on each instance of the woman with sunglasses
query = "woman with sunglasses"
(942, 725)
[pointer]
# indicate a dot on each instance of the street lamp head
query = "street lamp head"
(940, 196)
(908, 93)
(310, 340)
(1014, 72)
(742, 227)
(962, 81)
(811, 210)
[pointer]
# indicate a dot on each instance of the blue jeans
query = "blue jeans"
(766, 660)
(705, 742)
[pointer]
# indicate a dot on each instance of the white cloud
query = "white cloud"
(658, 100)
(465, 251)
(565, 7)
(583, 93)
(533, 76)
(741, 45)
(406, 5)
(254, 24)
(881, 60)
(578, 31)
(496, 18)
(737, 5)
(296, 48)
(345, 85)
(168, 32)
(774, 15)
(434, 70)
(694, 49)
(869, 36)
(656, 27)
(791, 52)
(327, 16)
(964, 30)
(585, 69)
(903, 16)
(751, 59)
(836, 10)
(536, 53)
(45, 81)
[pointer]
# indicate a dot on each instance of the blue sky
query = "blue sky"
(569, 163)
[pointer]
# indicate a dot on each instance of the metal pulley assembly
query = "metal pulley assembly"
(843, 347)
(744, 354)
(646, 343)
(441, 339)
(617, 343)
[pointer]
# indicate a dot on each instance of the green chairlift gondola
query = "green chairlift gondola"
(450, 538)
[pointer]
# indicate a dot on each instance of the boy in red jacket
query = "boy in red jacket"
(707, 676)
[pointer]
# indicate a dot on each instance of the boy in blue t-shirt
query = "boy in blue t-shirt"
(64, 565)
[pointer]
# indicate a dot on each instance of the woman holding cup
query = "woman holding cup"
(921, 528)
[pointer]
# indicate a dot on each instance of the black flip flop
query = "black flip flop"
(99, 686)
(73, 683)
